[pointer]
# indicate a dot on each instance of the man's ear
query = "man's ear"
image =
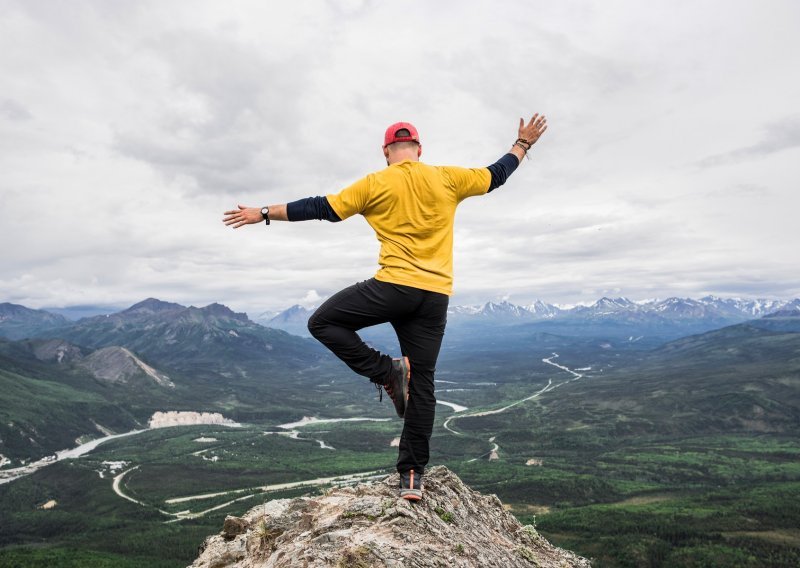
(419, 150)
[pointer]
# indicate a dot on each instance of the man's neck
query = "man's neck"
(402, 157)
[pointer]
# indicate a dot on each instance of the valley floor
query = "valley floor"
(584, 469)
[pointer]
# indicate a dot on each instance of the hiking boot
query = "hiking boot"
(411, 485)
(396, 386)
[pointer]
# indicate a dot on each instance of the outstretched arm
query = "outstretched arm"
(300, 210)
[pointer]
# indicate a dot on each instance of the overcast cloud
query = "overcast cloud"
(126, 128)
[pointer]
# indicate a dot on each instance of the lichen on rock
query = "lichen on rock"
(369, 526)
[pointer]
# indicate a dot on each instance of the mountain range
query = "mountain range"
(18, 322)
(667, 319)
(709, 308)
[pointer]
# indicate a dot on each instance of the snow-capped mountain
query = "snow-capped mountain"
(682, 306)
(744, 307)
(688, 314)
(502, 312)
(788, 310)
(464, 310)
(605, 307)
(684, 309)
(544, 310)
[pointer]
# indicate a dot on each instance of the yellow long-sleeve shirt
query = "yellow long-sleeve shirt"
(411, 206)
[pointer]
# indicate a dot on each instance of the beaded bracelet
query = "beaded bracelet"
(524, 149)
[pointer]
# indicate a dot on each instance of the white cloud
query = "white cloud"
(311, 299)
(126, 130)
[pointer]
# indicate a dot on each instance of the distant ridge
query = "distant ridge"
(670, 317)
(709, 308)
(152, 306)
(19, 322)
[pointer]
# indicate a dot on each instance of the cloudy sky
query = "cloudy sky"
(670, 166)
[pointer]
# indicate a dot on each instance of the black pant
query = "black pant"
(419, 318)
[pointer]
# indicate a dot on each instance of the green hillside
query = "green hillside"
(39, 417)
(736, 380)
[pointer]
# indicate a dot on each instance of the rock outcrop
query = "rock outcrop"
(369, 526)
(187, 418)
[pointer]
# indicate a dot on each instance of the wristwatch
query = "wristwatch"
(265, 214)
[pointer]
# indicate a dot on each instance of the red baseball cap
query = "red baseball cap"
(391, 134)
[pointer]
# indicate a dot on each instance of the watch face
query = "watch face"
(264, 211)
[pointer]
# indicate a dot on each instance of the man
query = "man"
(411, 206)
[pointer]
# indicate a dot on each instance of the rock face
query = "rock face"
(119, 365)
(369, 526)
(56, 350)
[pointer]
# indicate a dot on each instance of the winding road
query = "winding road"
(250, 492)
(8, 475)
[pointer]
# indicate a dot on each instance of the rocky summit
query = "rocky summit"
(368, 526)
